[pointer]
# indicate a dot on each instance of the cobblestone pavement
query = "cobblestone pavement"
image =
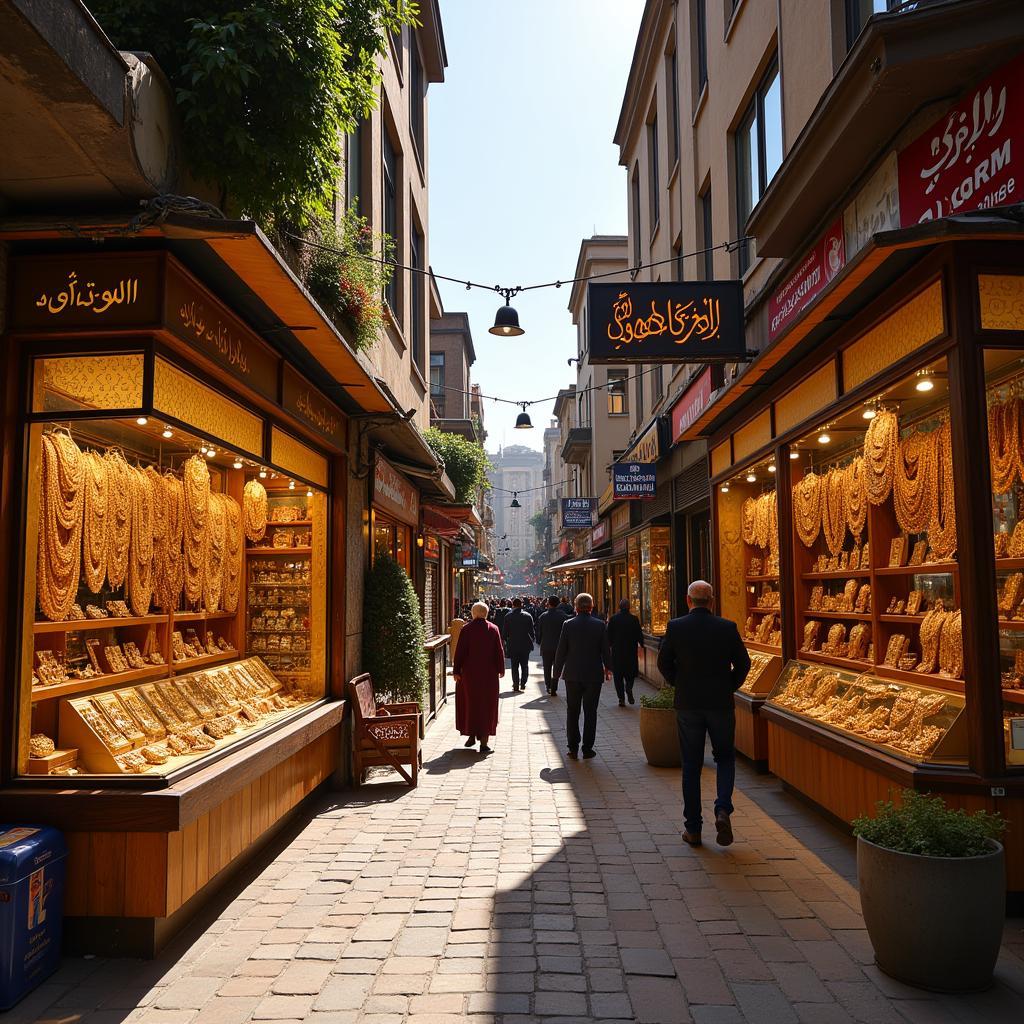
(524, 886)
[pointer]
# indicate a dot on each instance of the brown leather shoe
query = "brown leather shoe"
(724, 828)
(691, 838)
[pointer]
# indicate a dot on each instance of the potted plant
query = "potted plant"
(659, 733)
(932, 890)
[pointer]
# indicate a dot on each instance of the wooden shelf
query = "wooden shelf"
(932, 679)
(822, 614)
(764, 611)
(1013, 696)
(754, 645)
(202, 616)
(763, 579)
(282, 632)
(1015, 624)
(294, 522)
(837, 574)
(278, 551)
(110, 679)
(850, 664)
(906, 619)
(306, 584)
(1009, 564)
(206, 659)
(928, 569)
(93, 625)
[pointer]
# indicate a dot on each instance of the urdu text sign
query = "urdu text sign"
(634, 480)
(666, 322)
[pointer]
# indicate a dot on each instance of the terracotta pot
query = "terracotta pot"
(934, 922)
(660, 737)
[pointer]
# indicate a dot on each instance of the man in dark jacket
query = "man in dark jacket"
(625, 637)
(704, 658)
(585, 659)
(549, 627)
(518, 634)
(566, 608)
(499, 615)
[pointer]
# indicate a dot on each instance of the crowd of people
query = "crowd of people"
(701, 655)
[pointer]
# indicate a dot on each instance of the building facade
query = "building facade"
(517, 473)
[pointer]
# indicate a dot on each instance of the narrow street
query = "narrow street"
(526, 886)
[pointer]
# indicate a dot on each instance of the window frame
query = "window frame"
(417, 297)
(653, 173)
(354, 168)
(672, 71)
(707, 233)
(417, 99)
(436, 364)
(390, 178)
(701, 33)
(634, 185)
(622, 396)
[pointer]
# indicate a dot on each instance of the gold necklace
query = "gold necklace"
(232, 554)
(931, 629)
(1004, 443)
(119, 529)
(748, 515)
(833, 514)
(880, 443)
(915, 483)
(213, 572)
(196, 534)
(175, 573)
(942, 529)
(139, 590)
(95, 520)
(61, 500)
(254, 501)
(807, 506)
(856, 498)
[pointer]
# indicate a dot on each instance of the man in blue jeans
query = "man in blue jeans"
(704, 658)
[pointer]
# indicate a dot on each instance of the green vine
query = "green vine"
(465, 462)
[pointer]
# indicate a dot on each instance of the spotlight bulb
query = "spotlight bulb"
(725, 488)
(237, 463)
(925, 384)
(771, 468)
(142, 420)
(210, 452)
(167, 432)
(751, 479)
(263, 474)
(309, 494)
(794, 455)
(870, 413)
(291, 485)
(824, 438)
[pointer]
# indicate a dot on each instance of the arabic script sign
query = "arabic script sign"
(311, 407)
(804, 285)
(667, 322)
(694, 401)
(632, 480)
(578, 513)
(393, 494)
(965, 160)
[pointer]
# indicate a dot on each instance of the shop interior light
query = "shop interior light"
(725, 488)
(794, 454)
(210, 452)
(167, 432)
(309, 493)
(771, 467)
(419, 540)
(237, 463)
(142, 420)
(824, 437)
(291, 485)
(924, 382)
(870, 412)
(263, 473)
(751, 478)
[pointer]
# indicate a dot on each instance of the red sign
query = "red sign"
(599, 534)
(693, 402)
(804, 285)
(563, 548)
(965, 160)
(394, 494)
(431, 547)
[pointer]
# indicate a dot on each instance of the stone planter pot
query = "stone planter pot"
(934, 922)
(660, 737)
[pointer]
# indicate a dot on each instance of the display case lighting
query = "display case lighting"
(870, 412)
(291, 485)
(142, 420)
(824, 437)
(309, 493)
(924, 382)
(263, 473)
(751, 478)
(237, 463)
(725, 488)
(771, 467)
(167, 432)
(794, 454)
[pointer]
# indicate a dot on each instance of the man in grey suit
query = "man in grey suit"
(585, 659)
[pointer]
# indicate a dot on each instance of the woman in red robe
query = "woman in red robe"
(479, 664)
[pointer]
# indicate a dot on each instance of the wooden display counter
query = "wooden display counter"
(751, 730)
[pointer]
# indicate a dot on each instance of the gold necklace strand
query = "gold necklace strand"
(747, 516)
(254, 502)
(880, 443)
(196, 534)
(833, 510)
(856, 498)
(762, 521)
(140, 561)
(94, 523)
(807, 508)
(158, 494)
(213, 580)
(119, 497)
(942, 531)
(773, 525)
(1003, 445)
(931, 629)
(62, 498)
(175, 533)
(951, 647)
(232, 554)
(915, 482)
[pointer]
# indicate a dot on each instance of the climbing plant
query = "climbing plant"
(465, 462)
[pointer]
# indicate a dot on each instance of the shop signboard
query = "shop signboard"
(666, 322)
(808, 280)
(563, 547)
(620, 519)
(578, 513)
(634, 480)
(312, 408)
(431, 547)
(600, 534)
(393, 494)
(689, 408)
(965, 160)
(619, 546)
(469, 555)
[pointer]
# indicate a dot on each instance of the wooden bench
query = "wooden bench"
(384, 735)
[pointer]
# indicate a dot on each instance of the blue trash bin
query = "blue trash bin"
(31, 907)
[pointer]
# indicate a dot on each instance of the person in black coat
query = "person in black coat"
(625, 636)
(566, 608)
(703, 657)
(584, 658)
(499, 615)
(518, 633)
(549, 629)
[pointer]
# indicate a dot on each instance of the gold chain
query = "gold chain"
(94, 525)
(62, 497)
(254, 500)
(880, 445)
(807, 504)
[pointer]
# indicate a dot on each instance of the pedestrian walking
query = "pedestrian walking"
(479, 664)
(585, 659)
(549, 628)
(703, 657)
(518, 633)
(567, 609)
(626, 638)
(500, 613)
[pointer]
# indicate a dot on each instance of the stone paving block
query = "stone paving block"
(703, 981)
(717, 1015)
(499, 1002)
(565, 1004)
(654, 962)
(344, 992)
(301, 978)
(657, 1001)
(283, 1008)
(611, 1006)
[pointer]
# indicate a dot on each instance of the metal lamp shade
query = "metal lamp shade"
(523, 422)
(515, 503)
(506, 323)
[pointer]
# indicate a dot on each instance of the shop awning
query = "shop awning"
(437, 521)
(596, 557)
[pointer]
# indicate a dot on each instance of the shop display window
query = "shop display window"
(748, 525)
(649, 572)
(152, 554)
(874, 537)
(911, 720)
(1005, 399)
(390, 538)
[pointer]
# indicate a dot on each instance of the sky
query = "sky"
(522, 168)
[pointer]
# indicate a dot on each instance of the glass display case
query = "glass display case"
(649, 569)
(763, 674)
(910, 720)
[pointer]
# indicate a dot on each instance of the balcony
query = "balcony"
(576, 449)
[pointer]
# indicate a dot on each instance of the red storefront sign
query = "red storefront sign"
(599, 534)
(394, 494)
(965, 161)
(694, 401)
(804, 285)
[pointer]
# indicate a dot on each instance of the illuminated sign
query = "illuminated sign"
(695, 400)
(667, 322)
(802, 287)
(578, 513)
(634, 480)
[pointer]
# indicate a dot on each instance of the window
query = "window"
(635, 202)
(618, 399)
(858, 12)
(390, 176)
(654, 196)
(416, 98)
(583, 404)
(657, 383)
(437, 375)
(700, 30)
(707, 236)
(639, 396)
(677, 255)
(354, 168)
(417, 295)
(672, 70)
(758, 150)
